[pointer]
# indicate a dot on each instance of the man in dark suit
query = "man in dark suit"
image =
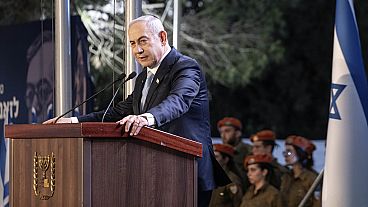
(171, 95)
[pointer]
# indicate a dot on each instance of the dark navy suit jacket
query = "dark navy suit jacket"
(178, 100)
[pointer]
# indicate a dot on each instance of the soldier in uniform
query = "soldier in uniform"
(264, 142)
(231, 194)
(230, 130)
(260, 193)
(299, 156)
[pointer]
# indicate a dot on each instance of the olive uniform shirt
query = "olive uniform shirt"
(229, 195)
(241, 151)
(266, 196)
(279, 171)
(294, 189)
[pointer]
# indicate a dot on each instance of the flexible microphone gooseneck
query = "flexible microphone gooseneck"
(131, 76)
(120, 77)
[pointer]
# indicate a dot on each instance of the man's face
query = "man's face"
(259, 149)
(147, 48)
(229, 135)
(39, 93)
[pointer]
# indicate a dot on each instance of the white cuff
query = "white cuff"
(74, 120)
(150, 118)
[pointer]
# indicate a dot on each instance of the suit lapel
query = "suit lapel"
(162, 71)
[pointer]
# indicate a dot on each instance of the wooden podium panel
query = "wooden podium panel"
(98, 165)
(68, 175)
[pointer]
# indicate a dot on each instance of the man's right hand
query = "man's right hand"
(60, 121)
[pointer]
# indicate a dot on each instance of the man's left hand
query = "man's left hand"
(133, 123)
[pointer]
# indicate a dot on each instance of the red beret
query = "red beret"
(230, 121)
(224, 148)
(301, 142)
(253, 159)
(264, 135)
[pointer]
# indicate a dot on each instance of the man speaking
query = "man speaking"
(170, 94)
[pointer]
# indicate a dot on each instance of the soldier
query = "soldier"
(264, 142)
(299, 156)
(231, 194)
(231, 131)
(260, 193)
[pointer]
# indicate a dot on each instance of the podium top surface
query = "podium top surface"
(96, 130)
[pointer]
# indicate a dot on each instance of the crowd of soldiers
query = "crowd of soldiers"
(258, 179)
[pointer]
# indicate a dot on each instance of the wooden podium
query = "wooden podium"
(97, 164)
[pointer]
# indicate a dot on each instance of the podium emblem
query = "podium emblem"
(44, 176)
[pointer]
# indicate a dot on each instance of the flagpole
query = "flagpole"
(63, 86)
(133, 9)
(311, 190)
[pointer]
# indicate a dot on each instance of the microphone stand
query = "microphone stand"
(121, 77)
(132, 75)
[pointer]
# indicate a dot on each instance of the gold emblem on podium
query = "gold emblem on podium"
(43, 178)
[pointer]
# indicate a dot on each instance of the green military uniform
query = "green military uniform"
(241, 151)
(229, 195)
(266, 196)
(294, 189)
(279, 171)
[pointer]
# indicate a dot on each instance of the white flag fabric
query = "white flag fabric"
(4, 171)
(346, 167)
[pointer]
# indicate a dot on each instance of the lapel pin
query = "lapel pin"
(157, 81)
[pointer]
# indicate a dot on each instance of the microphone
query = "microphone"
(120, 77)
(131, 76)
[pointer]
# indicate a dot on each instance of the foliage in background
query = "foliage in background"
(236, 40)
(18, 11)
(292, 97)
(105, 26)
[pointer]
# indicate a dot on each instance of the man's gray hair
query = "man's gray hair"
(153, 23)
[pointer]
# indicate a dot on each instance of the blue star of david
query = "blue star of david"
(336, 90)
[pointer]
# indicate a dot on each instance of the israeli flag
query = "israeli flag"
(4, 168)
(346, 169)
